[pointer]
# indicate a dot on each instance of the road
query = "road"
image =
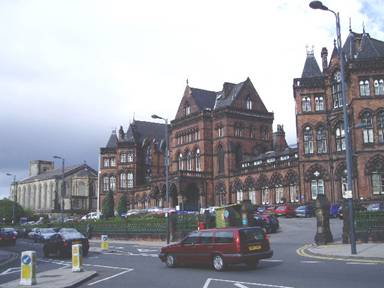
(130, 265)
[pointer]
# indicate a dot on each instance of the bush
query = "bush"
(122, 206)
(108, 205)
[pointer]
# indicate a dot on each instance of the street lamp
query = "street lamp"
(14, 198)
(62, 187)
(348, 146)
(166, 162)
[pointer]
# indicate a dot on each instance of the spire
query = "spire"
(311, 68)
(363, 27)
(350, 24)
(187, 82)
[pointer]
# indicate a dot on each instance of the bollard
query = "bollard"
(104, 242)
(77, 258)
(28, 268)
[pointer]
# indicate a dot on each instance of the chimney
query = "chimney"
(121, 133)
(279, 143)
(324, 56)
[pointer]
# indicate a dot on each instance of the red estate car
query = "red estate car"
(219, 247)
(285, 210)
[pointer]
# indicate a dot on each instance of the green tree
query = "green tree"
(122, 206)
(6, 211)
(108, 205)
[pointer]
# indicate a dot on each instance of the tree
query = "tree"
(122, 206)
(108, 205)
(6, 211)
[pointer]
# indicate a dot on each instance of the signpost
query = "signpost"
(28, 268)
(77, 258)
(104, 242)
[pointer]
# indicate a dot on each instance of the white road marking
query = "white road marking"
(110, 277)
(360, 263)
(272, 260)
(10, 271)
(240, 285)
(309, 262)
(209, 280)
(146, 250)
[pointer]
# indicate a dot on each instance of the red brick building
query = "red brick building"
(223, 149)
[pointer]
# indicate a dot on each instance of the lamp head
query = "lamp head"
(8, 174)
(318, 5)
(154, 116)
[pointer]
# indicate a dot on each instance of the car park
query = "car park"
(304, 211)
(7, 237)
(219, 247)
(286, 210)
(60, 243)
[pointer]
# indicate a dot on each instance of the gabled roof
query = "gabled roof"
(229, 93)
(311, 68)
(204, 98)
(80, 169)
(361, 46)
(139, 130)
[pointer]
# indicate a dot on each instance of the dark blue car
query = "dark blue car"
(304, 211)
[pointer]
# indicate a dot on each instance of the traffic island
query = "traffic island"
(58, 278)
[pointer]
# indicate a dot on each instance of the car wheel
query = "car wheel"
(170, 261)
(218, 262)
(252, 264)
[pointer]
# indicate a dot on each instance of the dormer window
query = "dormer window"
(364, 88)
(379, 86)
(187, 109)
(249, 103)
(306, 104)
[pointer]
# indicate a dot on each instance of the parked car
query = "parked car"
(219, 247)
(33, 234)
(334, 210)
(373, 207)
(44, 233)
(7, 236)
(60, 243)
(340, 212)
(285, 210)
(304, 211)
(92, 216)
(267, 221)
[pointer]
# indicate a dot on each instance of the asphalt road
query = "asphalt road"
(130, 265)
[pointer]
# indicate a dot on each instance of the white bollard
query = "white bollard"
(28, 268)
(77, 258)
(104, 242)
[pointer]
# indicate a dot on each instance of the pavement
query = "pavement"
(58, 278)
(366, 252)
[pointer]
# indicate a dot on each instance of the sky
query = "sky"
(72, 71)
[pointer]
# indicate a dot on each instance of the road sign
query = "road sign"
(77, 258)
(28, 268)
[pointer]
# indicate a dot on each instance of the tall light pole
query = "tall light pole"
(166, 162)
(348, 146)
(62, 187)
(14, 198)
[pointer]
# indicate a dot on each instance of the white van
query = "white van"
(92, 215)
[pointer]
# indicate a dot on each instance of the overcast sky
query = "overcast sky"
(71, 71)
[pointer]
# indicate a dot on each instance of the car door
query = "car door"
(187, 250)
(204, 248)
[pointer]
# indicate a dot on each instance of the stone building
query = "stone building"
(223, 149)
(42, 190)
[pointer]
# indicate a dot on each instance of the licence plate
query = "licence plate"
(254, 247)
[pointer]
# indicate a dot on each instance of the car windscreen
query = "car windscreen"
(47, 230)
(251, 235)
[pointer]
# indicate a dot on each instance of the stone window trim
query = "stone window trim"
(378, 84)
(364, 87)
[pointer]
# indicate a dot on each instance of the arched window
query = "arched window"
(340, 137)
(279, 193)
(336, 91)
(308, 140)
(105, 183)
(364, 88)
(123, 180)
(181, 162)
(130, 179)
(197, 160)
(317, 187)
(220, 159)
(319, 103)
(306, 104)
(249, 103)
(189, 161)
(321, 139)
(112, 183)
(379, 86)
(377, 182)
(366, 121)
(265, 195)
(380, 126)
(187, 109)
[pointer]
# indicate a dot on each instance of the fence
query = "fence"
(369, 226)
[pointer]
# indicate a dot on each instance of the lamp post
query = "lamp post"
(166, 162)
(62, 187)
(348, 146)
(14, 198)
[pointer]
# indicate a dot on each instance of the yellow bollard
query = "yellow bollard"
(104, 242)
(77, 258)
(28, 268)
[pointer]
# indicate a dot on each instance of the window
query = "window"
(106, 162)
(206, 237)
(249, 103)
(252, 132)
(308, 140)
(366, 121)
(340, 138)
(181, 162)
(252, 196)
(112, 183)
(380, 126)
(191, 238)
(379, 86)
(306, 104)
(344, 184)
(364, 88)
(130, 180)
(148, 164)
(123, 181)
(317, 187)
(321, 138)
(130, 156)
(105, 183)
(265, 195)
(189, 161)
(187, 109)
(197, 160)
(220, 131)
(319, 103)
(123, 158)
(239, 195)
(279, 193)
(238, 132)
(113, 162)
(292, 192)
(224, 237)
(264, 133)
(336, 91)
(220, 159)
(377, 183)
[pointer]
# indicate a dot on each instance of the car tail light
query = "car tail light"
(14, 237)
(1, 238)
(266, 236)
(237, 241)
